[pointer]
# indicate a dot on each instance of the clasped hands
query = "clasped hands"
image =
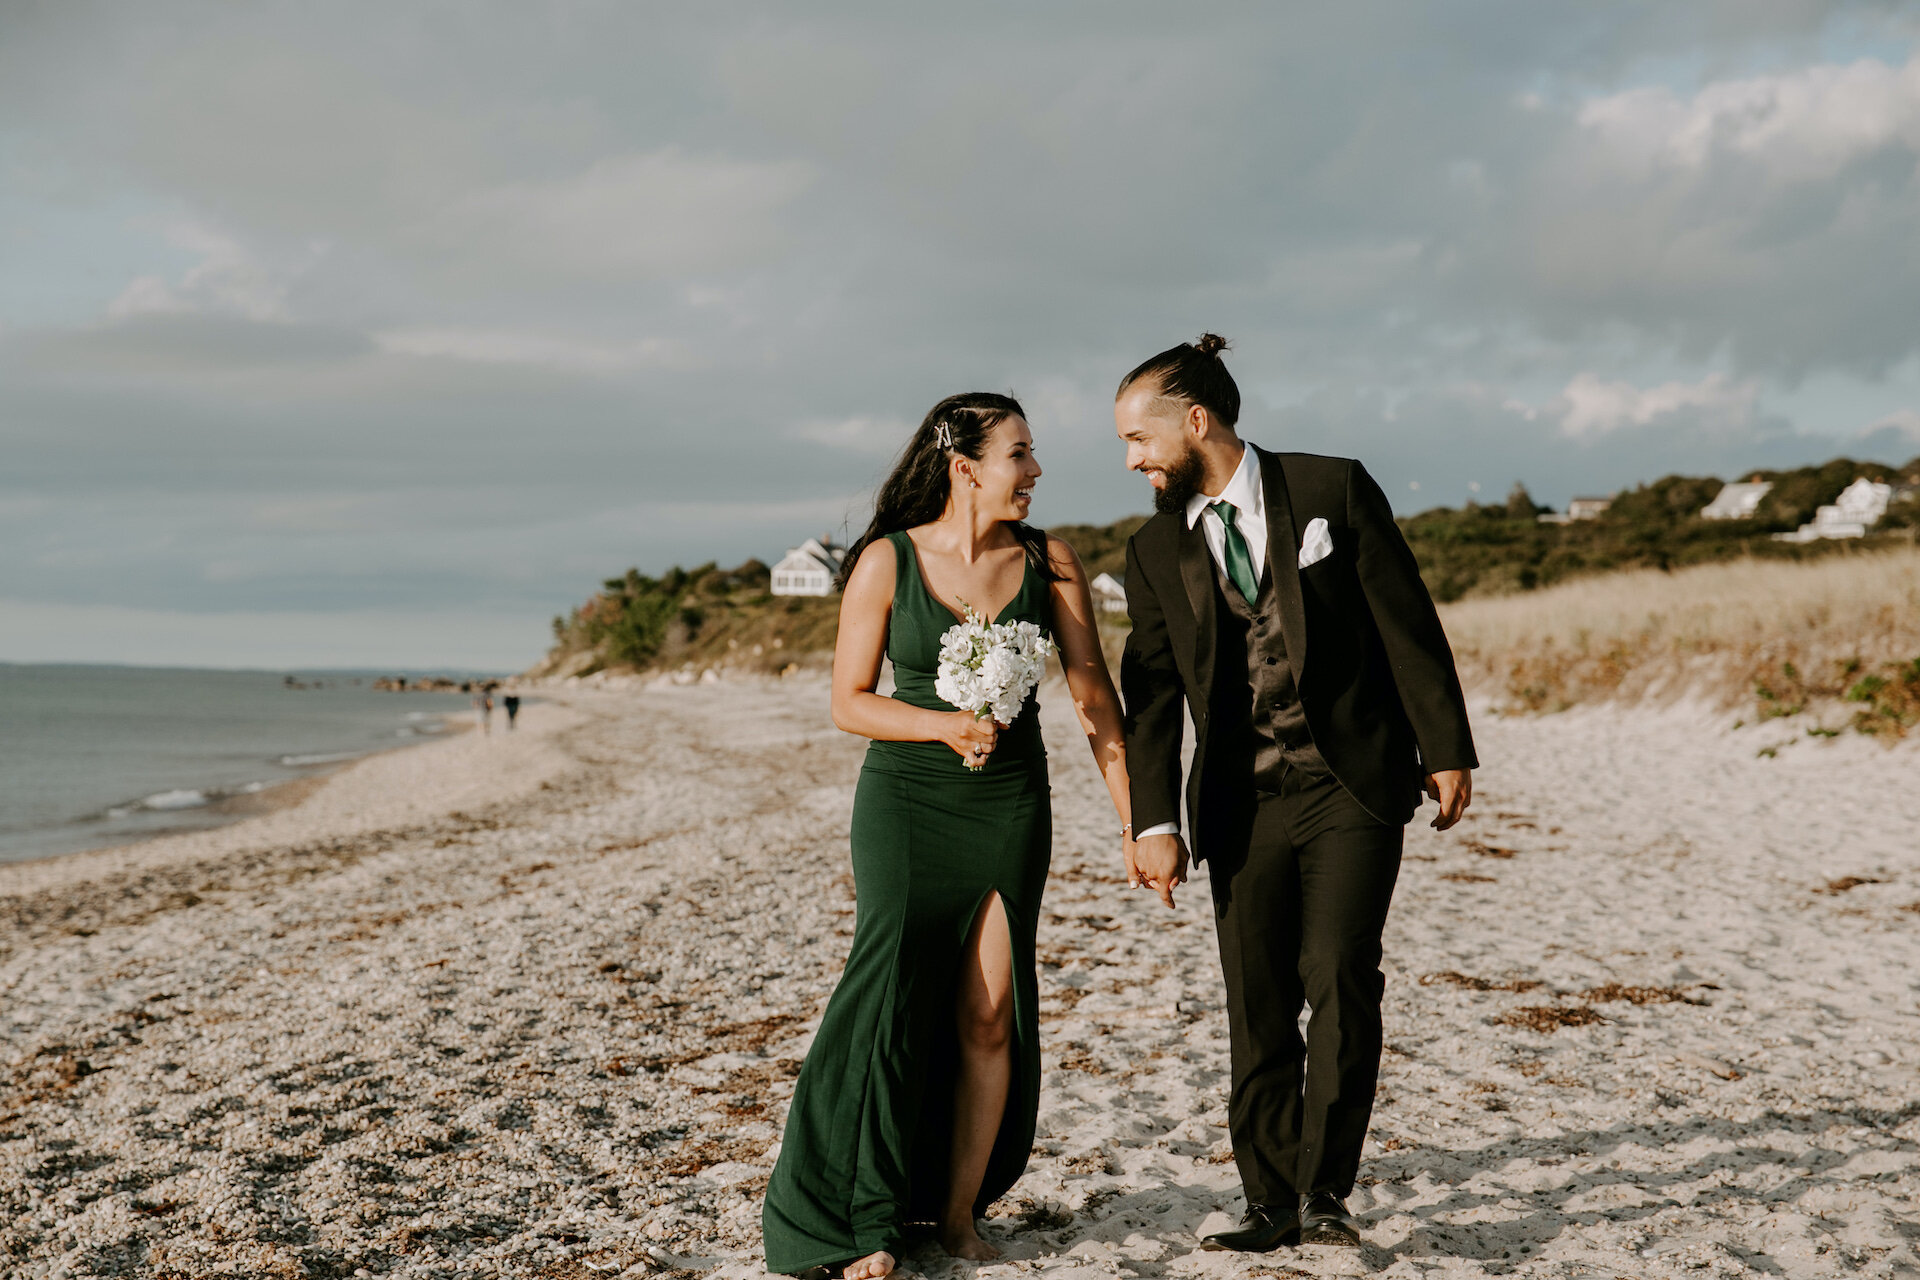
(1160, 862)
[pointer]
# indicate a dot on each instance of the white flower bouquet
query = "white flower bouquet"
(990, 668)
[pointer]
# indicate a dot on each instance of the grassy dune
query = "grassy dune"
(1780, 637)
(1649, 603)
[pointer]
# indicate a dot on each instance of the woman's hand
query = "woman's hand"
(1160, 863)
(972, 740)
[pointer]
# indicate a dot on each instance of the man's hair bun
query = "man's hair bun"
(1195, 373)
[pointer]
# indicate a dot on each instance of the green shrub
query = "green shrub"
(1864, 690)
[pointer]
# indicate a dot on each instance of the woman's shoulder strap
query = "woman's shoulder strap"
(902, 554)
(905, 566)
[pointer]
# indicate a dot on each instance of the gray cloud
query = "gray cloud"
(184, 347)
(479, 311)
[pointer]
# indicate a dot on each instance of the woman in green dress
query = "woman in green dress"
(918, 1098)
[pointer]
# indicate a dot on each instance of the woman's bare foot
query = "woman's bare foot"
(872, 1267)
(962, 1241)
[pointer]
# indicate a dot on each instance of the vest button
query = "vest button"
(1271, 661)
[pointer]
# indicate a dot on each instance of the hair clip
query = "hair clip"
(943, 434)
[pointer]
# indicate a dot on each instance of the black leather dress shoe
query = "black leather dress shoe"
(1324, 1220)
(1265, 1228)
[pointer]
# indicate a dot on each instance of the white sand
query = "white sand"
(553, 1035)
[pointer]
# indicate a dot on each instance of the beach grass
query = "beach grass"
(1778, 637)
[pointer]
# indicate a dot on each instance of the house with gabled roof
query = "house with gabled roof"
(808, 569)
(1857, 509)
(1737, 501)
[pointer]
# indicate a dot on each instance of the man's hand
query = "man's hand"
(1160, 863)
(1453, 789)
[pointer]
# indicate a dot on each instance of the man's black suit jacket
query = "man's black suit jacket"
(1372, 666)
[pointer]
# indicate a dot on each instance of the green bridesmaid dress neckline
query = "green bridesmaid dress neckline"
(912, 550)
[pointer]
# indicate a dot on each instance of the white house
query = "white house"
(1736, 501)
(808, 569)
(1577, 509)
(1857, 509)
(1109, 594)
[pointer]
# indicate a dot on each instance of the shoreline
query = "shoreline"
(106, 756)
(236, 806)
(223, 807)
(386, 787)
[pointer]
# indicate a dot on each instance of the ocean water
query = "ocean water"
(92, 756)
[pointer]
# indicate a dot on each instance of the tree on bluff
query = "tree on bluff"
(1520, 503)
(635, 619)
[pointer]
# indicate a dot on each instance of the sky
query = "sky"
(373, 334)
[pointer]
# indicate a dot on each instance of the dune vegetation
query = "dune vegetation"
(1649, 599)
(1777, 637)
(691, 618)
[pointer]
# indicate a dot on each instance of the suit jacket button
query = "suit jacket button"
(1271, 661)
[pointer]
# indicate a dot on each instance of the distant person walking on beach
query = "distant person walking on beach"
(919, 1095)
(1275, 601)
(483, 708)
(512, 704)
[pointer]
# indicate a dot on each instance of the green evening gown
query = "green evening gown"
(871, 1125)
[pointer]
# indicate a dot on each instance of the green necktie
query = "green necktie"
(1239, 562)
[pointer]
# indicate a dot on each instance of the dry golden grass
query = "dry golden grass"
(1843, 628)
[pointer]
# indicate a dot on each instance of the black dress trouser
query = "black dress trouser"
(1300, 894)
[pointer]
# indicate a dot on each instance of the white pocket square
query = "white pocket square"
(1316, 544)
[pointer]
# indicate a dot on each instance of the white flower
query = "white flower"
(990, 669)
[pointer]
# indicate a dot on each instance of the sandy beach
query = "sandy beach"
(531, 1005)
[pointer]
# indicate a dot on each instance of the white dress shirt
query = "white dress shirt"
(1249, 498)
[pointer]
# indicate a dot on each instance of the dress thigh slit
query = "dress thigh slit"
(870, 1130)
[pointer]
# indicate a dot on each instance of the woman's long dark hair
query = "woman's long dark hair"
(916, 491)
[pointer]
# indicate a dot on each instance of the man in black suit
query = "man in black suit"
(1275, 601)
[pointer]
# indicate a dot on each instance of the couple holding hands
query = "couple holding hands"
(1276, 604)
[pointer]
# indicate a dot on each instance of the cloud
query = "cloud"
(506, 346)
(174, 347)
(659, 214)
(1893, 438)
(227, 280)
(1806, 125)
(1438, 445)
(860, 433)
(1905, 422)
(38, 631)
(485, 308)
(1594, 406)
(1766, 218)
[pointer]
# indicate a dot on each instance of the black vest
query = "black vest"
(1265, 712)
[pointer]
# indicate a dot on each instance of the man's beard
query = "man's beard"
(1183, 481)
